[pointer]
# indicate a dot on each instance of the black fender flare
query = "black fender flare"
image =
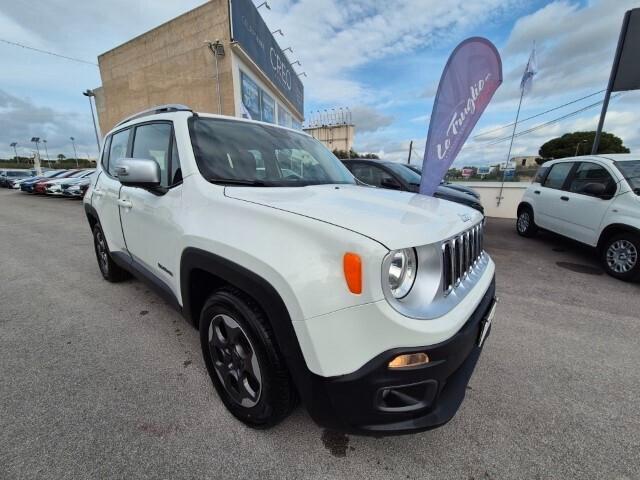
(267, 298)
(522, 205)
(92, 215)
(615, 227)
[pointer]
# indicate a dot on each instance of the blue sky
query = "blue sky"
(380, 58)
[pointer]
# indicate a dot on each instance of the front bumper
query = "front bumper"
(377, 401)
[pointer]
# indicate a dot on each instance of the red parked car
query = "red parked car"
(41, 186)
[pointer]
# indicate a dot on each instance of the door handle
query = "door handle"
(537, 192)
(125, 203)
(97, 192)
(566, 199)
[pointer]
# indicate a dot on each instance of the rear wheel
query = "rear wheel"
(243, 361)
(620, 256)
(109, 269)
(525, 224)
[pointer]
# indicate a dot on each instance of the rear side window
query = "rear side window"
(558, 175)
(541, 175)
(117, 149)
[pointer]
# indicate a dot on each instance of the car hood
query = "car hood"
(395, 219)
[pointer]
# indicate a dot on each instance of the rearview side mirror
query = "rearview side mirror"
(595, 189)
(138, 172)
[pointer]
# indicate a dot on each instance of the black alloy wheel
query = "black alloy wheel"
(243, 361)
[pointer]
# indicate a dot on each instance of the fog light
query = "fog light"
(409, 360)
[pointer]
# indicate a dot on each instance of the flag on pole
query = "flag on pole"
(470, 78)
(529, 72)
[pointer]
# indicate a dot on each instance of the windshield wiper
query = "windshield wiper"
(237, 181)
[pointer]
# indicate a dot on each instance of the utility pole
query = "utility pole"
(410, 150)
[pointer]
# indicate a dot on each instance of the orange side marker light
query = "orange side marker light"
(352, 265)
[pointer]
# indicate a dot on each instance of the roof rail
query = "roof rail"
(172, 107)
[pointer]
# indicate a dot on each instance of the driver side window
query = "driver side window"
(591, 173)
(117, 149)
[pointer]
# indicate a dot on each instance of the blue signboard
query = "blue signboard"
(253, 35)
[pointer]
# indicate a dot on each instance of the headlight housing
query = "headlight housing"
(402, 272)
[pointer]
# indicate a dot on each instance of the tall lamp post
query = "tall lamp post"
(14, 145)
(75, 152)
(89, 93)
(578, 147)
(36, 140)
(46, 152)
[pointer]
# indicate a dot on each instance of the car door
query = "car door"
(550, 197)
(582, 213)
(150, 217)
(107, 190)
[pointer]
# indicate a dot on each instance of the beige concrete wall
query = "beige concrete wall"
(169, 64)
(489, 192)
(335, 137)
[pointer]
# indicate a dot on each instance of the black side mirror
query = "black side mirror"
(391, 183)
(595, 190)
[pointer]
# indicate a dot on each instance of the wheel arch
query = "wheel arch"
(92, 215)
(524, 205)
(614, 229)
(202, 272)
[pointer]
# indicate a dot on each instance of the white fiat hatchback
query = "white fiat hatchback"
(594, 200)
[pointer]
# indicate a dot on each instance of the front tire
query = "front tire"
(525, 224)
(243, 361)
(108, 268)
(621, 256)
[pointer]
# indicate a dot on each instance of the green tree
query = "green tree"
(568, 144)
(61, 157)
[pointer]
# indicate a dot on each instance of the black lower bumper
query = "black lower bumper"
(378, 401)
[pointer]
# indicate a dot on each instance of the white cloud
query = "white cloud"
(334, 38)
(21, 120)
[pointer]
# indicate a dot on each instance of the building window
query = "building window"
(268, 108)
(250, 96)
(259, 105)
(284, 117)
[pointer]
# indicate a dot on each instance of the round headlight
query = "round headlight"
(402, 271)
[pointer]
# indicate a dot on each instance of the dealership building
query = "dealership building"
(219, 58)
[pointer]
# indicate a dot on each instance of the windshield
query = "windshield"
(405, 172)
(77, 174)
(52, 173)
(233, 152)
(631, 172)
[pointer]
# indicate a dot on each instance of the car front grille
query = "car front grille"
(460, 255)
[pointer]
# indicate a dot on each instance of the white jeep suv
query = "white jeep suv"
(594, 200)
(369, 305)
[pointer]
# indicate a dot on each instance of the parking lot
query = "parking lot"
(104, 380)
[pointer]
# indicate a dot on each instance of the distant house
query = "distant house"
(525, 161)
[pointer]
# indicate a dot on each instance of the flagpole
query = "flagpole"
(513, 134)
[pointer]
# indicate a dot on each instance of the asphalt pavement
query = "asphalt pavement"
(101, 380)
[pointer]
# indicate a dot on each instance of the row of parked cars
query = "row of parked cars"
(68, 183)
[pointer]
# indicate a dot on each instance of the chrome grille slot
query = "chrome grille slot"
(460, 255)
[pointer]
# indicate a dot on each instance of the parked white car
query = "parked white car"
(594, 200)
(370, 305)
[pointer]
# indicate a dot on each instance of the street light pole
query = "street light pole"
(89, 93)
(14, 144)
(578, 147)
(75, 152)
(46, 152)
